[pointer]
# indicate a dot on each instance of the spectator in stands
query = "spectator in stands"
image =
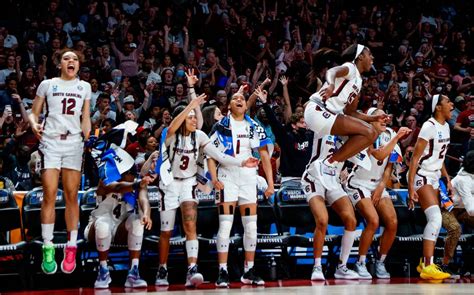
(464, 125)
(103, 110)
(463, 212)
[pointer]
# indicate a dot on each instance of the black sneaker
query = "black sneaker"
(193, 277)
(454, 275)
(250, 278)
(223, 279)
(162, 277)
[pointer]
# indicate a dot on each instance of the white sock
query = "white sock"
(47, 233)
(248, 265)
(382, 258)
(223, 266)
(72, 238)
(362, 259)
(317, 261)
(346, 246)
(135, 262)
(430, 261)
(191, 265)
(103, 263)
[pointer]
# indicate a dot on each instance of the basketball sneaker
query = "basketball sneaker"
(134, 280)
(380, 270)
(48, 265)
(317, 274)
(68, 265)
(103, 278)
(342, 272)
(223, 279)
(433, 272)
(250, 278)
(361, 269)
(162, 277)
(193, 277)
(420, 266)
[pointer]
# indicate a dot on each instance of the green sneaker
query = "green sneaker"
(49, 265)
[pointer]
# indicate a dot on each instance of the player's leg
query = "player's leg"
(131, 230)
(100, 231)
(226, 219)
(71, 180)
(321, 218)
(50, 180)
(388, 215)
(167, 220)
(368, 212)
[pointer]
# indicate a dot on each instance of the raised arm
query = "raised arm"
(384, 151)
(287, 112)
(176, 123)
(192, 81)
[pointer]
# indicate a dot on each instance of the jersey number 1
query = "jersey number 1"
(68, 106)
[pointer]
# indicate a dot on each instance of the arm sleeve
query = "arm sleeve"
(222, 158)
(428, 131)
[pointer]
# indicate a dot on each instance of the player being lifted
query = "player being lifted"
(333, 111)
(426, 169)
(185, 143)
(66, 100)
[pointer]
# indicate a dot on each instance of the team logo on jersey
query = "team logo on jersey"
(440, 134)
(79, 87)
(55, 88)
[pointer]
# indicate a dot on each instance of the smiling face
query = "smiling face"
(380, 127)
(238, 105)
(191, 122)
(151, 144)
(69, 65)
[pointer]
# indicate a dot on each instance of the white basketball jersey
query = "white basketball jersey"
(63, 105)
(438, 138)
(241, 138)
(184, 156)
(323, 146)
(345, 90)
(113, 206)
(373, 176)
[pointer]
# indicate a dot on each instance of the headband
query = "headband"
(434, 102)
(360, 48)
(372, 110)
(191, 113)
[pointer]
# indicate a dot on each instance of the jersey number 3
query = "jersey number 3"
(184, 163)
(68, 106)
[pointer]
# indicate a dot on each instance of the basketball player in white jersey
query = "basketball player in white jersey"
(121, 215)
(317, 196)
(185, 143)
(366, 190)
(426, 168)
(65, 101)
(333, 111)
(238, 135)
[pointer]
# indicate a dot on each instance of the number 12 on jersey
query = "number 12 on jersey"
(68, 106)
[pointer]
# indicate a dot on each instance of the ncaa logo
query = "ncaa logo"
(440, 134)
(55, 88)
(79, 87)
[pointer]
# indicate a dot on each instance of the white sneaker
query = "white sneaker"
(193, 277)
(317, 274)
(361, 270)
(103, 278)
(162, 277)
(342, 272)
(380, 271)
(134, 280)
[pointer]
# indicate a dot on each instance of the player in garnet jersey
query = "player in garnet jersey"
(426, 168)
(66, 103)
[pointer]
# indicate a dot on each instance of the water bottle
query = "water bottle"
(272, 265)
(406, 269)
(446, 201)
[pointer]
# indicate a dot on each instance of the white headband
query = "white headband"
(434, 102)
(191, 113)
(360, 48)
(371, 110)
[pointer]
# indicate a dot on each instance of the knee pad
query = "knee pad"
(250, 232)
(225, 226)
(433, 225)
(134, 225)
(167, 219)
(103, 235)
(192, 248)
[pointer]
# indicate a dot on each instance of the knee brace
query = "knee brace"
(225, 226)
(167, 219)
(135, 231)
(250, 232)
(103, 235)
(192, 248)
(433, 225)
